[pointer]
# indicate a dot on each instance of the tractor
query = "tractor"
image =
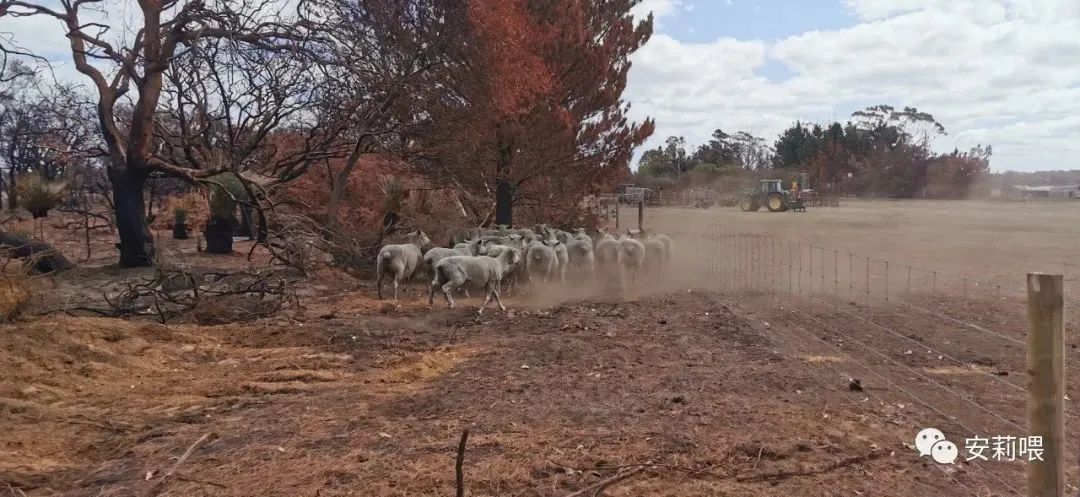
(772, 195)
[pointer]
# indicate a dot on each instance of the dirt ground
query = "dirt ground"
(356, 401)
(995, 242)
(690, 389)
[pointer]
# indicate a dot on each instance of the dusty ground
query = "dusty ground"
(713, 392)
(367, 402)
(995, 242)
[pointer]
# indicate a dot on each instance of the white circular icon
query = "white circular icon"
(944, 452)
(926, 439)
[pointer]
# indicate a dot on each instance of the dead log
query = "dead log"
(41, 256)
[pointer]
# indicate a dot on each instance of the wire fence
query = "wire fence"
(949, 348)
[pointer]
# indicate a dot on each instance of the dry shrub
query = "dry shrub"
(434, 212)
(15, 290)
(39, 195)
(194, 202)
(376, 184)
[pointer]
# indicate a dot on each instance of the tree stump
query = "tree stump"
(180, 231)
(219, 236)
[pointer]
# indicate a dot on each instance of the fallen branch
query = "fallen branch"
(595, 488)
(197, 480)
(458, 466)
(160, 485)
(784, 473)
(650, 465)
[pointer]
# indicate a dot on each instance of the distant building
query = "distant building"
(1047, 191)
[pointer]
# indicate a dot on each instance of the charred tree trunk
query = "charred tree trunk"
(129, 206)
(13, 198)
(504, 189)
(219, 235)
(339, 181)
(504, 202)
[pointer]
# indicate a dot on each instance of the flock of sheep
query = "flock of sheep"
(542, 255)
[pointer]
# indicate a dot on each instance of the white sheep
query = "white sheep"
(435, 255)
(668, 245)
(469, 247)
(608, 256)
(541, 262)
(453, 272)
(655, 256)
(583, 236)
(632, 256)
(400, 260)
(554, 238)
(511, 276)
(582, 261)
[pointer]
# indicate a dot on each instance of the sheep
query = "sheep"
(435, 255)
(582, 261)
(541, 262)
(562, 257)
(655, 255)
(464, 235)
(632, 256)
(488, 241)
(608, 255)
(666, 240)
(551, 238)
(400, 260)
(511, 277)
(581, 235)
(455, 271)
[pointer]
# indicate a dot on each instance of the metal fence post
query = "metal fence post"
(1046, 383)
(868, 280)
(886, 280)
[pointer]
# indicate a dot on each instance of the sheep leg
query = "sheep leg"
(495, 292)
(446, 289)
(431, 292)
(454, 282)
(487, 298)
(378, 285)
(395, 289)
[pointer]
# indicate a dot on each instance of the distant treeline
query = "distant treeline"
(880, 151)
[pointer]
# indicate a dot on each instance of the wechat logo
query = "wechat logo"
(931, 442)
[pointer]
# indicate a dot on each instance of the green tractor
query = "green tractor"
(772, 195)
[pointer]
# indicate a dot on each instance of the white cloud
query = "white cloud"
(659, 9)
(1004, 72)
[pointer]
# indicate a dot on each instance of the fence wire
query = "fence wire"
(871, 305)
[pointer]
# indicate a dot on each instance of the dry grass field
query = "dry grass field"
(995, 242)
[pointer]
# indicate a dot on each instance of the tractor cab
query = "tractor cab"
(772, 186)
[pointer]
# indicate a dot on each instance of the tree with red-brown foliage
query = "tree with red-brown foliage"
(534, 117)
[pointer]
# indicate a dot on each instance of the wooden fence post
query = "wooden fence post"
(1046, 383)
(640, 214)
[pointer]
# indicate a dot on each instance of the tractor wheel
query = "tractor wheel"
(748, 203)
(775, 203)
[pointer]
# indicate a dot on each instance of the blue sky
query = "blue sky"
(754, 19)
(1003, 72)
